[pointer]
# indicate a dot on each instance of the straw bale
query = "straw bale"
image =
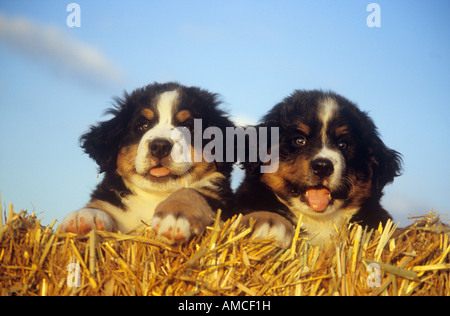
(38, 260)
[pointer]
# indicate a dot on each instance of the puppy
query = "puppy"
(146, 154)
(332, 168)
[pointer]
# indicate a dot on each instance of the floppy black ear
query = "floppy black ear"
(387, 164)
(252, 162)
(102, 142)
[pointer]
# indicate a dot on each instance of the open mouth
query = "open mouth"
(318, 198)
(163, 173)
(160, 171)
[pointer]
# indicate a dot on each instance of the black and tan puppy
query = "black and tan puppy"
(140, 149)
(332, 168)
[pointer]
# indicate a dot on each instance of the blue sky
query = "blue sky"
(55, 81)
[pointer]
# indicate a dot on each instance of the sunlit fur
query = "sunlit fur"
(129, 193)
(322, 126)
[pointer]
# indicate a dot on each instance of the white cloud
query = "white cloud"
(243, 120)
(51, 46)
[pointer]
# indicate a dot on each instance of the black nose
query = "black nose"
(160, 147)
(322, 167)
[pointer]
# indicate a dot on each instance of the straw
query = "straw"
(224, 260)
(1, 213)
(1, 218)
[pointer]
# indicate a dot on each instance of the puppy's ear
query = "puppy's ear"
(103, 141)
(252, 162)
(387, 164)
(208, 108)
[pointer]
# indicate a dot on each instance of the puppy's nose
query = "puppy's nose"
(160, 147)
(322, 167)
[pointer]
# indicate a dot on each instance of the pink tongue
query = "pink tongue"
(159, 172)
(318, 199)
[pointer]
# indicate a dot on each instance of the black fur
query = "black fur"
(104, 140)
(366, 155)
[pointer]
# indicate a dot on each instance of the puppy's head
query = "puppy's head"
(150, 140)
(331, 158)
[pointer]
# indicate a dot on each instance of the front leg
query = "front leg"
(183, 214)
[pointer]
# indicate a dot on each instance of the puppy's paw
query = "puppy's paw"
(270, 226)
(83, 221)
(182, 215)
(175, 227)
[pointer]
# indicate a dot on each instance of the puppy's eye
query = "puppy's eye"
(299, 141)
(189, 123)
(342, 145)
(142, 127)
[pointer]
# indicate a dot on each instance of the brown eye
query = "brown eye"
(299, 141)
(143, 127)
(342, 145)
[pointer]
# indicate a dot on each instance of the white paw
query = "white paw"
(83, 221)
(175, 229)
(277, 232)
(183, 214)
(270, 225)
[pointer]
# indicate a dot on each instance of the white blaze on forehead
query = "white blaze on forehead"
(327, 110)
(165, 106)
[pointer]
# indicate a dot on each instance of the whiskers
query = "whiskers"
(345, 187)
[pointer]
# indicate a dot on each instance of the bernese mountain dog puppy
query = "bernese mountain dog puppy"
(332, 169)
(145, 181)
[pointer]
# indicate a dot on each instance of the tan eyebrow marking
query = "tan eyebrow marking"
(183, 115)
(148, 114)
(303, 128)
(342, 130)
